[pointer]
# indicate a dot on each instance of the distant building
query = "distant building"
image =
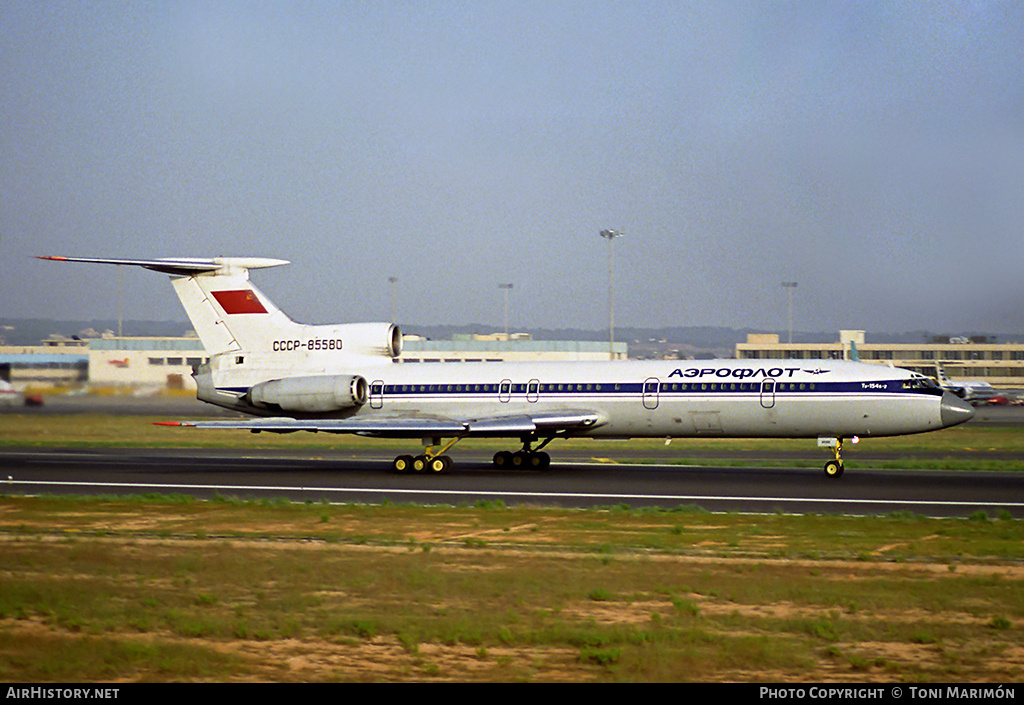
(518, 347)
(146, 362)
(167, 362)
(56, 361)
(975, 359)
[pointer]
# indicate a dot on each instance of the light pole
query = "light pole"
(610, 236)
(789, 286)
(507, 288)
(393, 281)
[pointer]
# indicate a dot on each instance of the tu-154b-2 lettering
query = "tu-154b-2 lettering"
(346, 378)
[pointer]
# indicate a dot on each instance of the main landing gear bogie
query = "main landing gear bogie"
(434, 463)
(429, 462)
(438, 464)
(532, 459)
(529, 458)
(422, 464)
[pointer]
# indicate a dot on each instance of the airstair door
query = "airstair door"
(376, 394)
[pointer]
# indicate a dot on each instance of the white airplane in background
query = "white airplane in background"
(9, 396)
(968, 391)
(345, 379)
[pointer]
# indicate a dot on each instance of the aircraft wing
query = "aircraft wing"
(543, 423)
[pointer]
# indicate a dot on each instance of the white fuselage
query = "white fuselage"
(737, 398)
(344, 379)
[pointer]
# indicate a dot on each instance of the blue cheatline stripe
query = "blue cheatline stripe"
(665, 389)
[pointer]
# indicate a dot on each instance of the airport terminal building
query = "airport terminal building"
(978, 359)
(54, 362)
(517, 347)
(158, 362)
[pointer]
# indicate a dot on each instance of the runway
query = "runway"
(583, 474)
(341, 476)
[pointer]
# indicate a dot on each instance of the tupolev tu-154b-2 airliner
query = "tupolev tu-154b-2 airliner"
(346, 378)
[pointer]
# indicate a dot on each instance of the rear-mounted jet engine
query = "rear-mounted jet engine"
(312, 395)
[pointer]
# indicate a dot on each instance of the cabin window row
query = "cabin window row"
(506, 388)
(534, 388)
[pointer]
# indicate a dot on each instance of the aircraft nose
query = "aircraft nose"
(954, 410)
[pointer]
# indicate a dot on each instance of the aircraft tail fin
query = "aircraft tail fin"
(227, 311)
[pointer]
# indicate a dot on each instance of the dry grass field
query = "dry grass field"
(172, 589)
(169, 588)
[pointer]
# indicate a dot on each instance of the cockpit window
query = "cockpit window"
(922, 384)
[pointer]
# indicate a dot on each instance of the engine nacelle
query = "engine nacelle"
(316, 394)
(375, 339)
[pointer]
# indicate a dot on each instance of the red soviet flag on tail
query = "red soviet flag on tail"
(239, 301)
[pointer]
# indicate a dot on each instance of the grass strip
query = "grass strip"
(170, 588)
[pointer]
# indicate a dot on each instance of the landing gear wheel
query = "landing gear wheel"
(533, 459)
(439, 464)
(419, 463)
(539, 460)
(503, 459)
(834, 468)
(403, 464)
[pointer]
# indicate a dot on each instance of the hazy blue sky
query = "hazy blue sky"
(871, 151)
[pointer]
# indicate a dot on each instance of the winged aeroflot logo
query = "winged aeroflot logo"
(817, 371)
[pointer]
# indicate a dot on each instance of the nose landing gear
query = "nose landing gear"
(833, 468)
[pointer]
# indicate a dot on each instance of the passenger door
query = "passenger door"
(376, 394)
(768, 393)
(652, 386)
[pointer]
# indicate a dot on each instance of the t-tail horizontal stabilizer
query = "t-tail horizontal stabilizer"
(182, 266)
(226, 310)
(231, 315)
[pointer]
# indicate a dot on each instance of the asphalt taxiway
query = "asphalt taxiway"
(366, 478)
(583, 474)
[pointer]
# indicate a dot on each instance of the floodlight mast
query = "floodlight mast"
(610, 235)
(393, 281)
(507, 288)
(789, 286)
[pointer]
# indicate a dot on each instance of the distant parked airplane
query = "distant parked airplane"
(971, 392)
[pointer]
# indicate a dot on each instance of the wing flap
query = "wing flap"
(541, 422)
(569, 419)
(501, 426)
